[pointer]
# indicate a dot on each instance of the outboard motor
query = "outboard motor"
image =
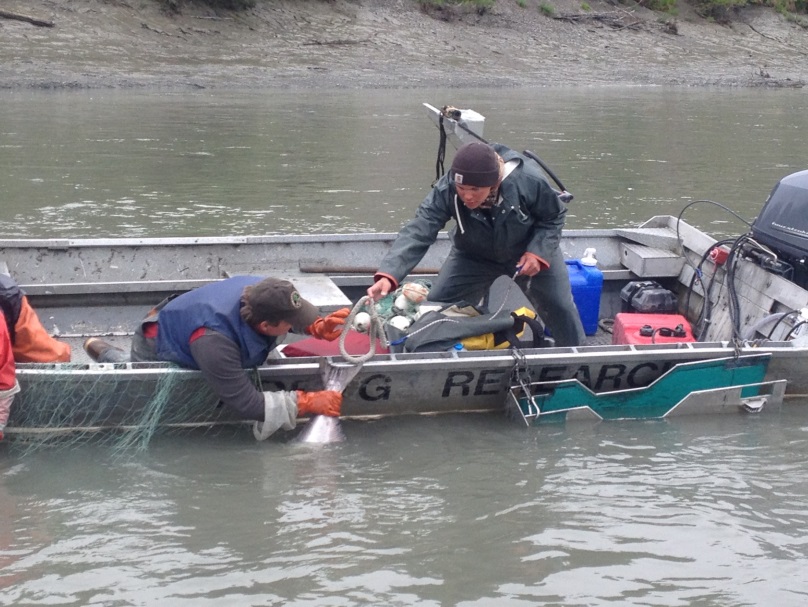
(783, 224)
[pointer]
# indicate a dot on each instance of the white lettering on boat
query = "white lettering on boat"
(488, 382)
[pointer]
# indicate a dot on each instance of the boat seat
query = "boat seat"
(659, 237)
(320, 291)
(650, 262)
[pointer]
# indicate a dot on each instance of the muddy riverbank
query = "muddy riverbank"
(391, 43)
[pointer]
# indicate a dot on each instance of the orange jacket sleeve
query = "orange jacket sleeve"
(33, 344)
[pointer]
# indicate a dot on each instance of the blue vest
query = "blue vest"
(215, 306)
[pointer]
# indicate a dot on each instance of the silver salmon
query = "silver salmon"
(322, 429)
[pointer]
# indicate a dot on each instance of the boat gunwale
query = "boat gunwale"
(496, 358)
(268, 239)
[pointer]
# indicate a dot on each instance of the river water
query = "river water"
(130, 163)
(452, 510)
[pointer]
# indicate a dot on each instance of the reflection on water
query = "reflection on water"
(137, 164)
(450, 510)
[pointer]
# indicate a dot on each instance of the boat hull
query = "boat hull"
(97, 396)
(103, 287)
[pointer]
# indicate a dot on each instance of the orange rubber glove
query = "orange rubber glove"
(326, 402)
(330, 327)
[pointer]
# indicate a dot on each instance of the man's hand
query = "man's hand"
(330, 327)
(380, 288)
(531, 264)
(325, 402)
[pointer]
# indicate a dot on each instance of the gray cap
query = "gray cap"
(274, 300)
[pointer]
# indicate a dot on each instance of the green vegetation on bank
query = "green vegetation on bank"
(718, 10)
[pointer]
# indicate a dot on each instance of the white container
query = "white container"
(590, 257)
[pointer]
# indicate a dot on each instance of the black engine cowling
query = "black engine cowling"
(783, 223)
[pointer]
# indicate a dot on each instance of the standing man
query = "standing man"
(226, 327)
(508, 221)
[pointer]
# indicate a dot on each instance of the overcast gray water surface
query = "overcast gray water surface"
(112, 163)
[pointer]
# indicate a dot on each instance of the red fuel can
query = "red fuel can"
(630, 328)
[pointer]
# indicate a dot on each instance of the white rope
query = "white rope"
(375, 331)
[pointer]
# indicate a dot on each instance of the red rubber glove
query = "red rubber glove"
(330, 327)
(326, 402)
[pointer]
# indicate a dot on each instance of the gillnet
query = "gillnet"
(123, 405)
(395, 304)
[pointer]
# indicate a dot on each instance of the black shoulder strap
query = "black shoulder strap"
(10, 303)
(536, 327)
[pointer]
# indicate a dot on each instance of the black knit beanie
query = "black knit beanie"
(475, 164)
